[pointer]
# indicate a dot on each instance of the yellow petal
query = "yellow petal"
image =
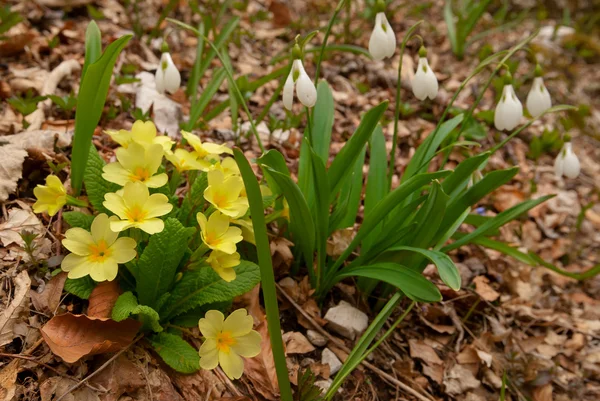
(151, 226)
(101, 230)
(143, 131)
(211, 324)
(248, 345)
(115, 172)
(157, 205)
(78, 241)
(121, 225)
(104, 271)
(239, 323)
(131, 157)
(123, 249)
(232, 364)
(157, 181)
(154, 155)
(209, 356)
(218, 223)
(135, 193)
(115, 204)
(202, 221)
(72, 262)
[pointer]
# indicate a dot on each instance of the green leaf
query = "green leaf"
(193, 200)
(305, 175)
(411, 283)
(90, 103)
(445, 266)
(203, 286)
(302, 225)
(355, 145)
(127, 305)
(160, 260)
(220, 40)
(497, 222)
(207, 94)
(93, 46)
(348, 202)
(321, 210)
(419, 162)
(176, 352)
(458, 180)
(273, 159)
(78, 219)
(80, 287)
(377, 187)
(487, 185)
(96, 186)
(323, 114)
(449, 18)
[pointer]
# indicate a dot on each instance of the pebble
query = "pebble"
(346, 320)
(316, 338)
(329, 358)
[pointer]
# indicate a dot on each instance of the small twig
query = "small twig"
(100, 369)
(387, 377)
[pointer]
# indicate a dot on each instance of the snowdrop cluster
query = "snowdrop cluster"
(298, 79)
(567, 163)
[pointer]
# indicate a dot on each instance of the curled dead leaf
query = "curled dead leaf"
(72, 337)
(484, 290)
(103, 299)
(9, 316)
(260, 370)
(8, 378)
(48, 300)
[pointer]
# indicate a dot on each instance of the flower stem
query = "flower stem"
(397, 106)
(76, 202)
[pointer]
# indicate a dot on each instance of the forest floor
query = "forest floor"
(528, 328)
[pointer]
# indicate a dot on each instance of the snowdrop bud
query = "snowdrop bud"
(383, 39)
(567, 162)
(538, 99)
(509, 110)
(424, 84)
(167, 76)
(288, 91)
(305, 89)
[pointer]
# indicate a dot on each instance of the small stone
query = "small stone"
(316, 338)
(329, 358)
(346, 320)
(324, 384)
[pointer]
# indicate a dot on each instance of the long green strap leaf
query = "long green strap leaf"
(90, 102)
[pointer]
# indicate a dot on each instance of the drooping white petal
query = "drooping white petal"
(159, 80)
(305, 88)
(390, 45)
(424, 83)
(538, 99)
(499, 114)
(571, 165)
(288, 91)
(509, 110)
(171, 73)
(559, 164)
(379, 46)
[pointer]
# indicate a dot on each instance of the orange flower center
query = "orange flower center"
(99, 251)
(140, 174)
(136, 214)
(225, 341)
(220, 199)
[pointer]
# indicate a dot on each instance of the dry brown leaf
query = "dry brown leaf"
(8, 377)
(296, 343)
(281, 14)
(48, 300)
(103, 299)
(20, 301)
(13, 152)
(459, 380)
(260, 370)
(433, 366)
(56, 386)
(484, 290)
(543, 393)
(74, 336)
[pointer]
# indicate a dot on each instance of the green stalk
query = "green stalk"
(229, 77)
(388, 332)
(397, 107)
(266, 272)
(76, 202)
(338, 8)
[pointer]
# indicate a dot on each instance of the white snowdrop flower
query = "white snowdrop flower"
(167, 77)
(538, 99)
(424, 84)
(305, 88)
(509, 110)
(567, 162)
(383, 39)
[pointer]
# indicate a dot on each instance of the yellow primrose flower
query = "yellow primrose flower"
(217, 234)
(285, 212)
(50, 197)
(141, 132)
(224, 193)
(227, 340)
(204, 149)
(137, 208)
(97, 253)
(223, 264)
(184, 161)
(228, 166)
(247, 229)
(137, 164)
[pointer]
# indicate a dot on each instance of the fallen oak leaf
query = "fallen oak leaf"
(48, 300)
(260, 370)
(103, 299)
(9, 316)
(72, 337)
